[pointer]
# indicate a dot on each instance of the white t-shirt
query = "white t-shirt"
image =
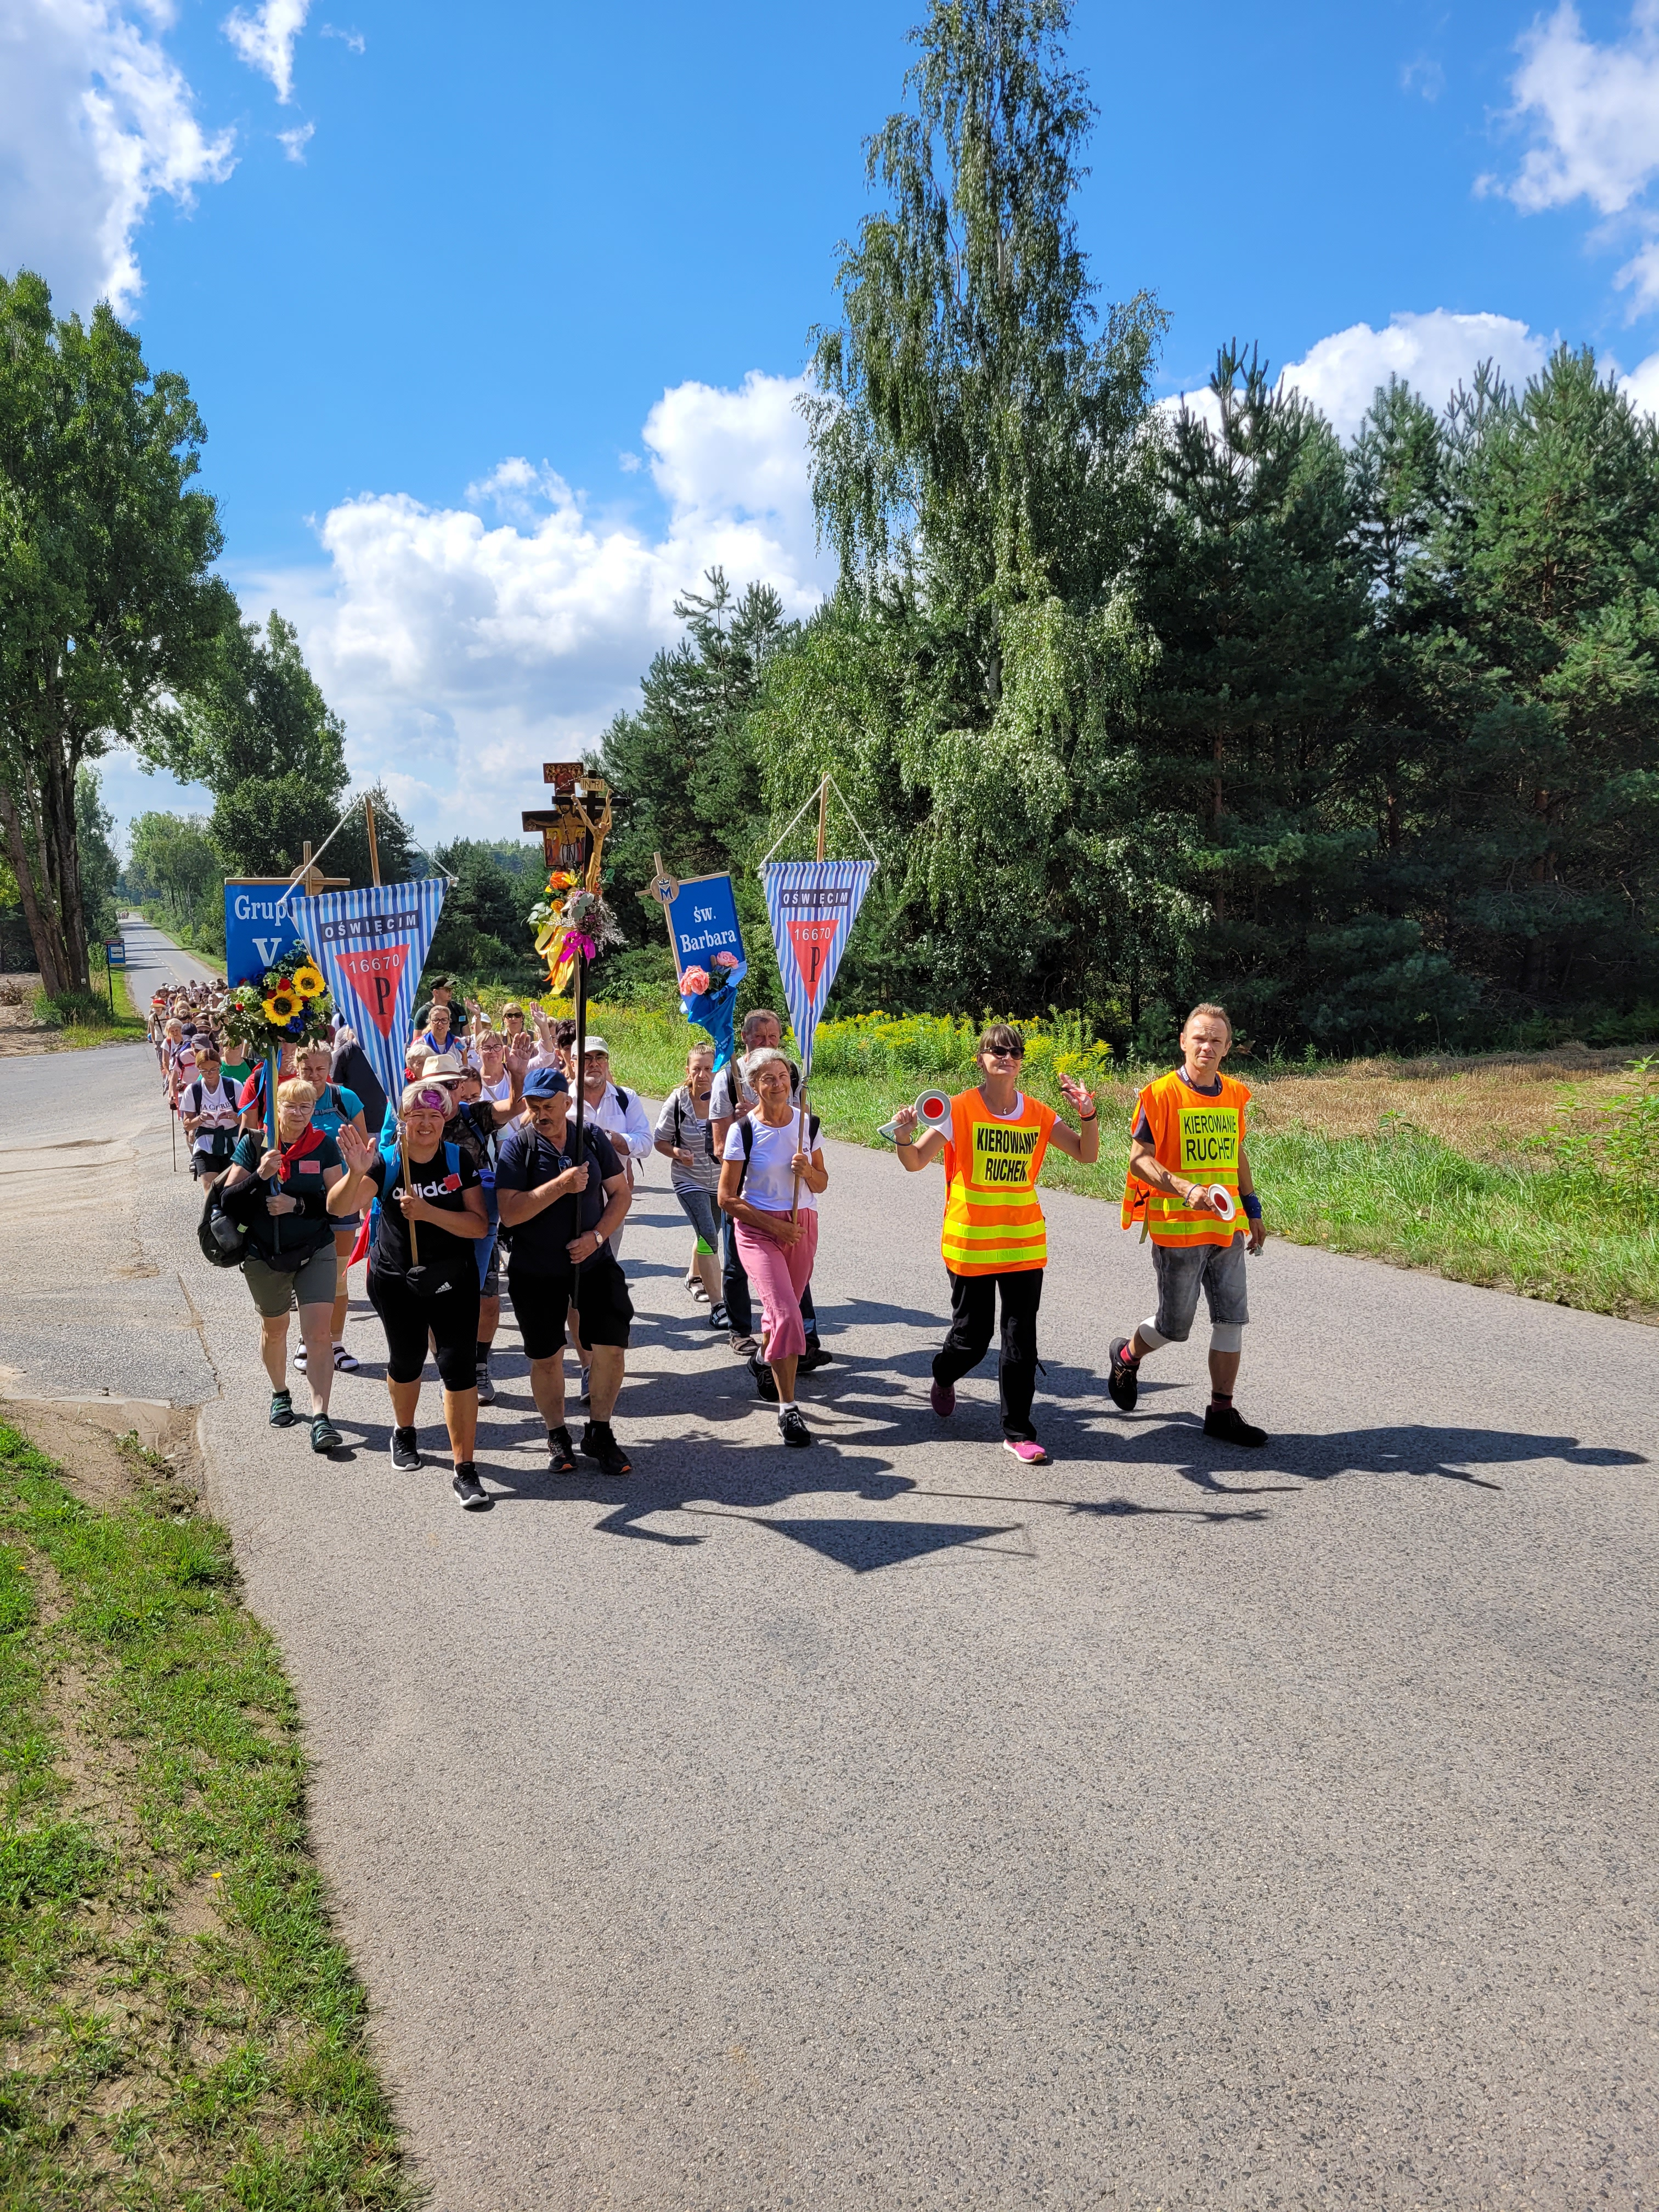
(218, 1111)
(770, 1184)
(500, 1090)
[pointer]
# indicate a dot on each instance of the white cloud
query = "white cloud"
(265, 40)
(1434, 353)
(96, 120)
(1424, 76)
(460, 645)
(1594, 111)
(294, 142)
(1640, 386)
(354, 41)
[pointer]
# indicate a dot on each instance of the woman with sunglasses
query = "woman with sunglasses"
(995, 1242)
(432, 1214)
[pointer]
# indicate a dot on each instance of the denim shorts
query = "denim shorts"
(1181, 1268)
(699, 1210)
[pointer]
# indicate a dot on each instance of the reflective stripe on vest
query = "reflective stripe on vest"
(1198, 1139)
(993, 1223)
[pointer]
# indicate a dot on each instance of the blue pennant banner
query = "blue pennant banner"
(371, 946)
(813, 905)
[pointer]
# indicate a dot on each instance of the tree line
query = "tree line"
(1137, 703)
(1142, 704)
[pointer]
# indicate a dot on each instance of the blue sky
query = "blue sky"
(493, 314)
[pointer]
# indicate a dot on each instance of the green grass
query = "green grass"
(1539, 1226)
(183, 2031)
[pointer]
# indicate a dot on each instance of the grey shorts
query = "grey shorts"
(1181, 1269)
(274, 1293)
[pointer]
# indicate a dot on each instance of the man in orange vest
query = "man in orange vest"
(1189, 1178)
(995, 1243)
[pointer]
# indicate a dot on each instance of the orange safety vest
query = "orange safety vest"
(994, 1225)
(1200, 1137)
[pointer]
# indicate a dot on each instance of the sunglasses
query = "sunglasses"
(1005, 1052)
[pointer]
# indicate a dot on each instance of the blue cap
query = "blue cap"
(546, 1083)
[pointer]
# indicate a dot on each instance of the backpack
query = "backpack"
(227, 1248)
(707, 1126)
(748, 1129)
(221, 1143)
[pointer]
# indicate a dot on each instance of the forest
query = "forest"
(1137, 702)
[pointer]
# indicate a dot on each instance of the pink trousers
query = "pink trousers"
(779, 1276)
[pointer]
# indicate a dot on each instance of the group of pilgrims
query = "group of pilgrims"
(472, 1180)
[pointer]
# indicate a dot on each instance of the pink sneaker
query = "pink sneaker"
(1026, 1450)
(943, 1400)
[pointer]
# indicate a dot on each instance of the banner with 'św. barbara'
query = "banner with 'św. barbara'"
(813, 905)
(371, 946)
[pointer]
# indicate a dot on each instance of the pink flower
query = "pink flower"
(695, 982)
(725, 959)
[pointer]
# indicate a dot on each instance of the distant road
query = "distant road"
(890, 1827)
(154, 963)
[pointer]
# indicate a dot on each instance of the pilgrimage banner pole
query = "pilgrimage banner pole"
(806, 1056)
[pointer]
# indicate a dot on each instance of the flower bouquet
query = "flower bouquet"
(570, 919)
(708, 996)
(288, 1005)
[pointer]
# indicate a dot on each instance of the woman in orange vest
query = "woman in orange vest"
(994, 1240)
(1187, 1146)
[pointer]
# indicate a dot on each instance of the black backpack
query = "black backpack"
(223, 1240)
(707, 1126)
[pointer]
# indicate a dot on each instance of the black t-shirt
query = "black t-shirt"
(524, 1161)
(432, 1180)
(310, 1225)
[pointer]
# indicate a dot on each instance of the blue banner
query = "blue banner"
(259, 929)
(702, 920)
(371, 946)
(813, 905)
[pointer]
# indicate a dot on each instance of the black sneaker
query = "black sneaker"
(281, 1409)
(1229, 1425)
(561, 1452)
(325, 1436)
(765, 1384)
(406, 1455)
(814, 1356)
(719, 1319)
(792, 1428)
(486, 1384)
(599, 1443)
(1123, 1377)
(471, 1493)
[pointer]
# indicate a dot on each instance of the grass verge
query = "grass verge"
(1473, 1169)
(181, 2030)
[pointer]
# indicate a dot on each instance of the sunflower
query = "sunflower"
(309, 983)
(281, 1007)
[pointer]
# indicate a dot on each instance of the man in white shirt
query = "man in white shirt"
(621, 1113)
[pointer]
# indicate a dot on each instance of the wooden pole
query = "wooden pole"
(668, 919)
(581, 1095)
(800, 1130)
(373, 849)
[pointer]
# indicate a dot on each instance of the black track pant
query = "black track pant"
(973, 1316)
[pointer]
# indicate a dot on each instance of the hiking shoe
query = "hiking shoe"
(814, 1356)
(281, 1409)
(405, 1453)
(599, 1443)
(1229, 1426)
(561, 1452)
(943, 1400)
(744, 1346)
(470, 1491)
(792, 1428)
(717, 1319)
(765, 1382)
(1123, 1376)
(345, 1363)
(486, 1384)
(300, 1359)
(325, 1436)
(1026, 1449)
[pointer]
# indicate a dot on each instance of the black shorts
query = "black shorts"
(452, 1316)
(540, 1304)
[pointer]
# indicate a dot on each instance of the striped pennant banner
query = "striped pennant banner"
(813, 905)
(371, 946)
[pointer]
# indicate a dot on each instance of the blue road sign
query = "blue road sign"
(115, 952)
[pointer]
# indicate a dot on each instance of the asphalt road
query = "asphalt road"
(154, 963)
(889, 1825)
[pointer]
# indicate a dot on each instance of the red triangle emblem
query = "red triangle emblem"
(812, 939)
(375, 976)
